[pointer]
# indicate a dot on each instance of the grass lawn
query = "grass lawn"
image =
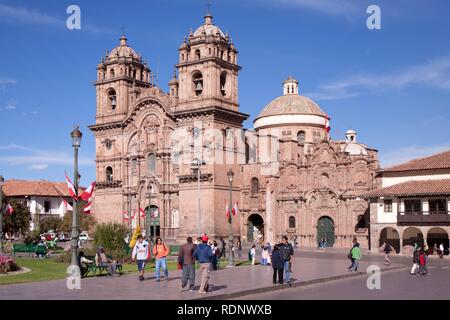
(49, 269)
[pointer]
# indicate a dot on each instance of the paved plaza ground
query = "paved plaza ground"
(309, 268)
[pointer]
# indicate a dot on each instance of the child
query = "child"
(141, 252)
(265, 257)
(253, 254)
(277, 265)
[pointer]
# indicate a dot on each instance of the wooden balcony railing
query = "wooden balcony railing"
(423, 218)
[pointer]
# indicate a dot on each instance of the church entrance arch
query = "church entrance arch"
(155, 219)
(325, 230)
(255, 228)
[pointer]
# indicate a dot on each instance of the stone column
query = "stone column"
(270, 204)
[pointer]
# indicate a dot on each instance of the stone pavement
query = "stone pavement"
(225, 283)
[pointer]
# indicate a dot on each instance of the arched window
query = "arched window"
(291, 222)
(197, 54)
(361, 222)
(223, 82)
(109, 174)
(112, 99)
(182, 57)
(151, 162)
(255, 185)
(324, 180)
(301, 137)
(108, 144)
(112, 73)
(197, 82)
(133, 164)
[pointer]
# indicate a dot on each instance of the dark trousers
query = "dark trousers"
(188, 274)
(278, 271)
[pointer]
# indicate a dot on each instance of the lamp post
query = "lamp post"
(2, 181)
(148, 215)
(196, 169)
(230, 175)
(76, 142)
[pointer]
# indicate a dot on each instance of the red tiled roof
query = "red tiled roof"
(15, 188)
(437, 161)
(412, 188)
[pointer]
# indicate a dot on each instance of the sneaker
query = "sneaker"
(202, 292)
(141, 278)
(192, 289)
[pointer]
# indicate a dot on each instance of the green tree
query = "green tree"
(17, 223)
(111, 236)
(49, 223)
(86, 222)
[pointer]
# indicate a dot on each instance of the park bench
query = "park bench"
(39, 250)
(92, 267)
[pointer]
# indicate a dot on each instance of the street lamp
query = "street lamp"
(148, 215)
(76, 142)
(2, 181)
(230, 175)
(196, 163)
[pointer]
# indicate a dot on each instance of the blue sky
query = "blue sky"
(391, 85)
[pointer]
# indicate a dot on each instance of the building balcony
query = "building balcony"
(423, 218)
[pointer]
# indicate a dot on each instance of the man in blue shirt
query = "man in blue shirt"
(203, 254)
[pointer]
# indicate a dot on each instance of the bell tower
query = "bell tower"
(208, 69)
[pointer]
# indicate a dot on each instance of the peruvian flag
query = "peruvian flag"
(227, 210)
(142, 211)
(87, 208)
(133, 214)
(68, 206)
(87, 194)
(235, 209)
(327, 124)
(155, 214)
(9, 209)
(71, 188)
(126, 216)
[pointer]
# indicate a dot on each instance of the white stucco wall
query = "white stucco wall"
(290, 119)
(387, 217)
(409, 176)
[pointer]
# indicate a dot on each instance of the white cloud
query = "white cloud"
(4, 82)
(11, 105)
(33, 17)
(17, 155)
(435, 73)
(405, 154)
(38, 167)
(330, 7)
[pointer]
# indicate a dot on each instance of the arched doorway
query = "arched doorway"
(436, 236)
(391, 236)
(255, 227)
(411, 236)
(325, 229)
(155, 219)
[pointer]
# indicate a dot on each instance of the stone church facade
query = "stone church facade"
(289, 176)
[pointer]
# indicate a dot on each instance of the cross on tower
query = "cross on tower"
(123, 30)
(208, 7)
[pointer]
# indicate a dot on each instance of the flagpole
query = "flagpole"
(1, 213)
(76, 141)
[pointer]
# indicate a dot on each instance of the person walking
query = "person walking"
(252, 254)
(141, 253)
(277, 265)
(415, 259)
(441, 250)
(287, 251)
(222, 246)
(387, 251)
(161, 251)
(239, 248)
(203, 254)
(265, 257)
(422, 262)
(356, 256)
(186, 257)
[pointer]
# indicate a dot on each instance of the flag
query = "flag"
(155, 213)
(126, 216)
(87, 194)
(9, 209)
(133, 214)
(235, 209)
(71, 188)
(142, 211)
(87, 208)
(227, 210)
(327, 124)
(68, 206)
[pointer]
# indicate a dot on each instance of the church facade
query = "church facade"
(172, 153)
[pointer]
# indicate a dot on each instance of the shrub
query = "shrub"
(31, 237)
(7, 264)
(111, 236)
(49, 223)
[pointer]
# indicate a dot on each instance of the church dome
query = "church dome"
(304, 110)
(208, 28)
(123, 50)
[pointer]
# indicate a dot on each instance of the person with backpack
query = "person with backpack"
(356, 256)
(203, 254)
(141, 253)
(277, 265)
(252, 255)
(186, 259)
(287, 251)
(387, 251)
(161, 251)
